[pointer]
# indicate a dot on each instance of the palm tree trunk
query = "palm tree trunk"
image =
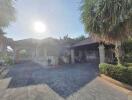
(118, 53)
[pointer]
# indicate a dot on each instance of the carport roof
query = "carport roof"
(87, 41)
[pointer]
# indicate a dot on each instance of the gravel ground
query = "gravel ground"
(65, 80)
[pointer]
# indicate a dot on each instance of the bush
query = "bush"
(128, 74)
(128, 64)
(120, 73)
(8, 60)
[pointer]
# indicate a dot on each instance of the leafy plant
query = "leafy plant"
(127, 47)
(8, 61)
(123, 74)
(7, 13)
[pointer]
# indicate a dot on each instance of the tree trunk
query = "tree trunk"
(118, 54)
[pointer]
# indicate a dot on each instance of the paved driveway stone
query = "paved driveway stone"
(65, 80)
(98, 90)
(72, 82)
(37, 92)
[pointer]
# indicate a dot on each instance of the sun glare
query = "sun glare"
(39, 27)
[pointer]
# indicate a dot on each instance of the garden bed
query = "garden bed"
(120, 73)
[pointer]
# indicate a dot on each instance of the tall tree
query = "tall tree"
(110, 20)
(80, 38)
(7, 13)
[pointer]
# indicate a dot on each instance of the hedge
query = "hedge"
(128, 64)
(120, 73)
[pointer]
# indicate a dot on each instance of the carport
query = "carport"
(92, 50)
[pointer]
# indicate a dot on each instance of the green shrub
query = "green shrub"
(8, 61)
(128, 64)
(103, 67)
(120, 73)
(130, 73)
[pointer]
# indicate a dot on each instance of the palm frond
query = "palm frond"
(110, 20)
(7, 12)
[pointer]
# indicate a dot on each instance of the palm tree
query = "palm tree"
(7, 13)
(110, 20)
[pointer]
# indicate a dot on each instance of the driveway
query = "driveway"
(72, 82)
(65, 80)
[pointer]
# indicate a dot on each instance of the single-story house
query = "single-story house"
(43, 50)
(55, 51)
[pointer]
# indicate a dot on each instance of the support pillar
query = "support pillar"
(102, 53)
(72, 56)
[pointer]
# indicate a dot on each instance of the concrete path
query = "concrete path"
(39, 92)
(4, 83)
(99, 90)
(69, 82)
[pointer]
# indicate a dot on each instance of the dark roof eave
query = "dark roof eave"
(75, 46)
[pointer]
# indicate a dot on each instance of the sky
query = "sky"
(61, 17)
